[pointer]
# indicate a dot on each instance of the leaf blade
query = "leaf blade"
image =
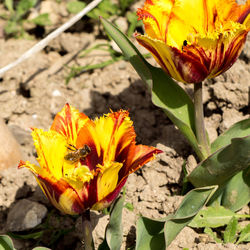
(190, 206)
(223, 164)
(239, 129)
(149, 234)
(113, 232)
(6, 243)
(230, 232)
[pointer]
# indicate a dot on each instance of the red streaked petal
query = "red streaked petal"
(92, 197)
(68, 122)
(184, 67)
(135, 157)
(115, 132)
(61, 195)
(105, 202)
(87, 135)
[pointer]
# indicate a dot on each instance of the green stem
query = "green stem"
(87, 231)
(199, 121)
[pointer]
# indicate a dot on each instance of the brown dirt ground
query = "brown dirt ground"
(32, 93)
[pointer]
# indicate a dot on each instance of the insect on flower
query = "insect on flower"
(77, 154)
(84, 163)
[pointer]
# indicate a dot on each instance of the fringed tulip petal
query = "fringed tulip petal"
(115, 128)
(68, 122)
(181, 66)
(135, 157)
(84, 163)
(194, 40)
(51, 148)
(87, 136)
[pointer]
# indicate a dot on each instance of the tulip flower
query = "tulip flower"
(83, 164)
(194, 39)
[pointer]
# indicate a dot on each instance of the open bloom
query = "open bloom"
(84, 163)
(194, 39)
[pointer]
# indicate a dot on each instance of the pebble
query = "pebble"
(24, 215)
(10, 153)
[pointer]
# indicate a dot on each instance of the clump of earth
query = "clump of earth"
(32, 93)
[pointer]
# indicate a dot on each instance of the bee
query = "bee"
(77, 154)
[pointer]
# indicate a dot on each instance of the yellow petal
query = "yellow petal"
(51, 149)
(107, 178)
(114, 130)
(68, 122)
(77, 175)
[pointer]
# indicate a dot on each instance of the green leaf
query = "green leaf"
(105, 9)
(129, 206)
(75, 6)
(245, 235)
(166, 93)
(231, 230)
(34, 236)
(223, 164)
(214, 217)
(133, 20)
(108, 6)
(41, 20)
(158, 234)
(9, 5)
(239, 129)
(236, 192)
(124, 4)
(11, 27)
(6, 243)
(113, 234)
(192, 203)
(24, 6)
(150, 234)
(212, 234)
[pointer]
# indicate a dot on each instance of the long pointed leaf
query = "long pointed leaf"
(158, 234)
(230, 231)
(223, 164)
(6, 243)
(214, 217)
(166, 94)
(149, 234)
(236, 193)
(239, 129)
(192, 203)
(113, 233)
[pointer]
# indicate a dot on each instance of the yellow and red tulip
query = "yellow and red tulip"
(92, 181)
(194, 39)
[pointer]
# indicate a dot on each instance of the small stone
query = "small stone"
(191, 164)
(211, 106)
(22, 136)
(25, 215)
(10, 153)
